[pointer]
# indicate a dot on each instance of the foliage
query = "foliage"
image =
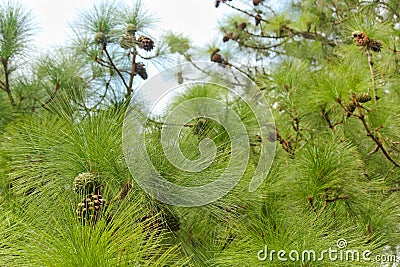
(330, 72)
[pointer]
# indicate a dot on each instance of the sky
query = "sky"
(197, 18)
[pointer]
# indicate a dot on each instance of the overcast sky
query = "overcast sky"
(197, 18)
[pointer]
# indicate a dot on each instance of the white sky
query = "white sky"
(196, 18)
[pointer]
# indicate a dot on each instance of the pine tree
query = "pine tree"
(330, 72)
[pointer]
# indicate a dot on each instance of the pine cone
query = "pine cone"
(127, 41)
(90, 208)
(363, 97)
(100, 38)
(226, 38)
(258, 19)
(376, 46)
(218, 2)
(257, 2)
(242, 26)
(146, 43)
(85, 182)
(131, 28)
(350, 107)
(151, 223)
(360, 38)
(141, 70)
(179, 77)
(217, 58)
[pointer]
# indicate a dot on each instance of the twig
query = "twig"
(372, 136)
(325, 115)
(376, 148)
(371, 69)
(133, 72)
(115, 67)
(52, 96)
(331, 200)
(311, 202)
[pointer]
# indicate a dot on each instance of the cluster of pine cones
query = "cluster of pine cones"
(231, 36)
(361, 98)
(128, 40)
(93, 204)
(363, 40)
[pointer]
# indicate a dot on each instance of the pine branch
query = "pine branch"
(265, 36)
(52, 97)
(245, 12)
(133, 72)
(311, 202)
(240, 43)
(115, 67)
(330, 200)
(286, 144)
(169, 124)
(377, 141)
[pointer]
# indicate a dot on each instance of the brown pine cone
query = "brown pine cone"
(141, 70)
(242, 26)
(146, 43)
(257, 2)
(376, 46)
(217, 58)
(225, 38)
(360, 38)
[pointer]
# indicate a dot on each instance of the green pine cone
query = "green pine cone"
(85, 182)
(364, 97)
(99, 38)
(131, 28)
